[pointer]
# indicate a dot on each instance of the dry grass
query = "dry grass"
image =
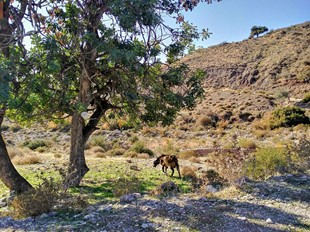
(14, 152)
(26, 160)
(194, 159)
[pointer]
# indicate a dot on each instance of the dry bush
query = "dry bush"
(228, 165)
(247, 143)
(262, 124)
(188, 173)
(48, 196)
(27, 159)
(222, 124)
(100, 155)
(168, 147)
(143, 156)
(260, 133)
(209, 120)
(194, 159)
(131, 154)
(187, 154)
(115, 152)
(97, 149)
(97, 141)
(35, 202)
(14, 152)
(165, 189)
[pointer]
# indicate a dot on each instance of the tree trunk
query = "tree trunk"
(77, 164)
(8, 174)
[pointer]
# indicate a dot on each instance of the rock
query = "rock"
(211, 189)
(106, 208)
(269, 221)
(145, 225)
(90, 216)
(129, 198)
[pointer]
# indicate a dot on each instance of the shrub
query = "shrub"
(26, 159)
(48, 196)
(139, 147)
(288, 116)
(300, 155)
(166, 189)
(210, 119)
(97, 140)
(5, 127)
(14, 152)
(188, 173)
(306, 98)
(34, 144)
(16, 128)
(267, 161)
(115, 152)
(281, 93)
(36, 202)
(246, 143)
(228, 164)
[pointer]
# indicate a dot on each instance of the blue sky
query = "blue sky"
(231, 20)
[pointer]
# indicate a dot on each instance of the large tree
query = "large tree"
(11, 31)
(102, 57)
(14, 67)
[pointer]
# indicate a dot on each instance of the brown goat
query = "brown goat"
(168, 161)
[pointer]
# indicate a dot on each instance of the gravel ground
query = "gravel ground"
(279, 204)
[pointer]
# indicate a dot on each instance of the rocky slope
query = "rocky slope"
(280, 58)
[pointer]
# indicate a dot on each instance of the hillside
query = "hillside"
(280, 58)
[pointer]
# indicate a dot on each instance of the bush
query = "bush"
(266, 162)
(306, 98)
(139, 147)
(48, 196)
(210, 119)
(288, 116)
(36, 202)
(34, 144)
(228, 164)
(188, 173)
(26, 160)
(115, 152)
(246, 143)
(97, 140)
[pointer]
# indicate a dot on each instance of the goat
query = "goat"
(168, 161)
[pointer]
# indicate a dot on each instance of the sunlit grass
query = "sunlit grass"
(107, 178)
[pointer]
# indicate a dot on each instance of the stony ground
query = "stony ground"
(278, 204)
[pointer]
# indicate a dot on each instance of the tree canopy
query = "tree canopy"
(257, 30)
(102, 59)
